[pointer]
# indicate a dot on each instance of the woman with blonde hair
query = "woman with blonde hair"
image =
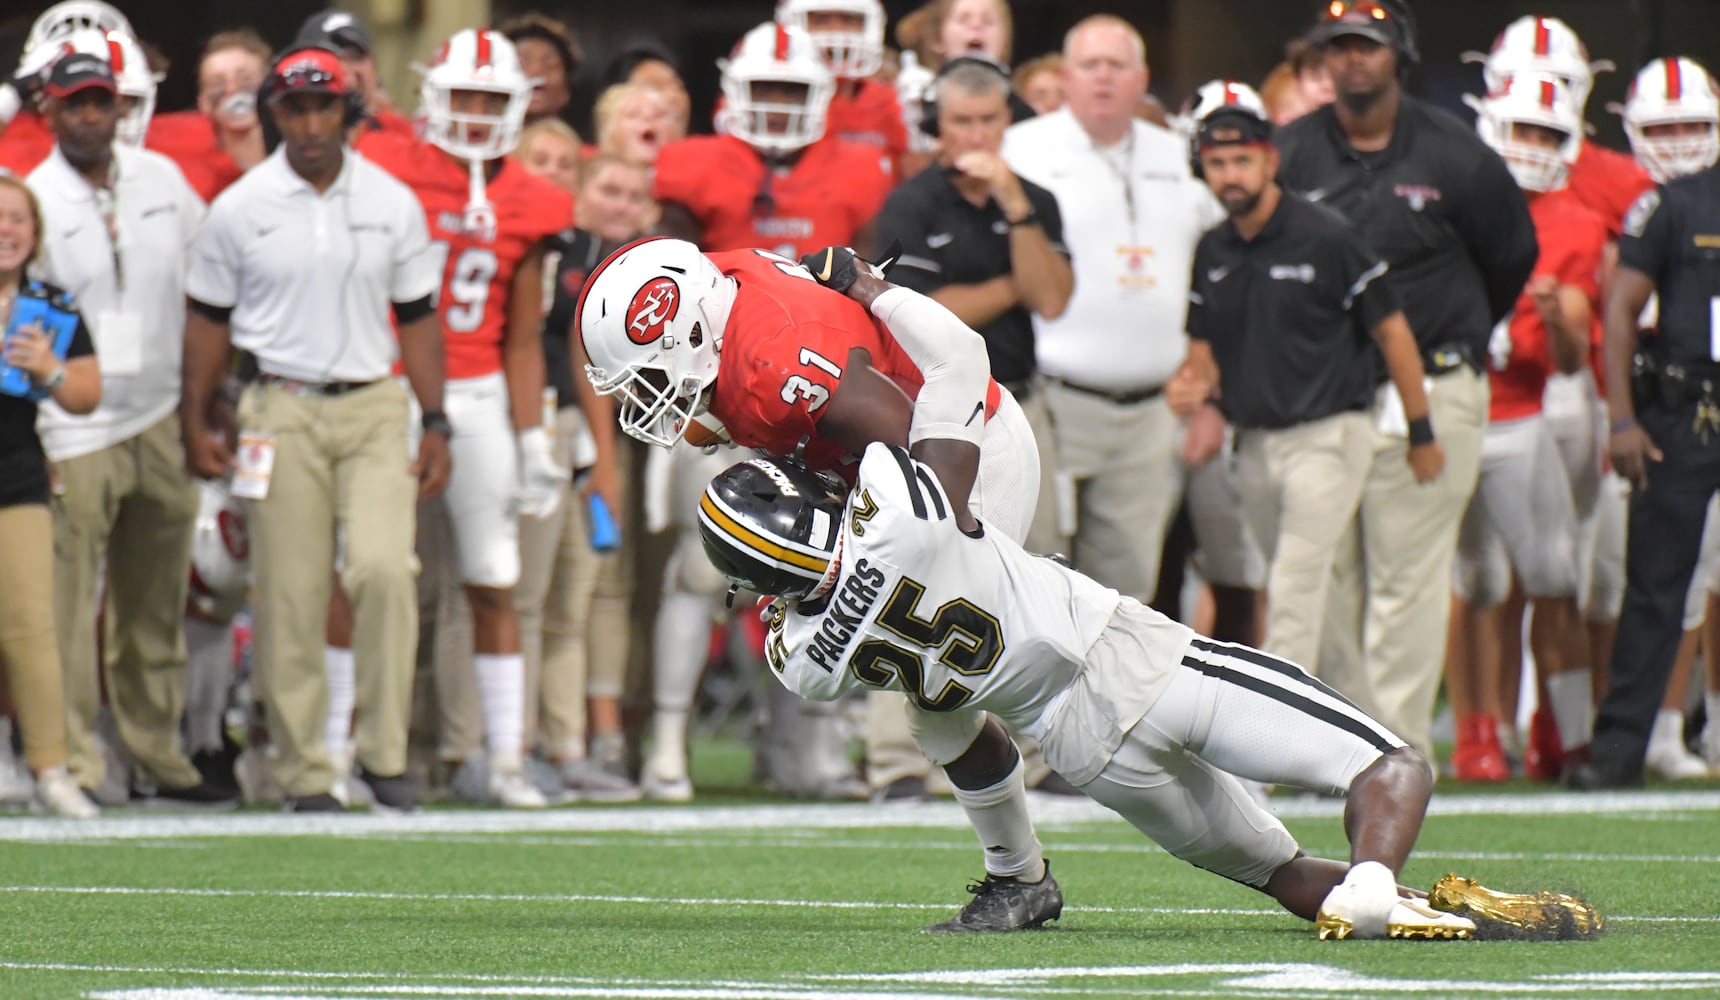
(635, 122)
(35, 368)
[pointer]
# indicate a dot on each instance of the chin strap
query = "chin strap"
(480, 220)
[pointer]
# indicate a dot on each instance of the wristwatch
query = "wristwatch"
(55, 380)
(436, 422)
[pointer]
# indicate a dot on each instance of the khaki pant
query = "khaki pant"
(340, 464)
(133, 505)
(556, 599)
(1384, 640)
(1301, 488)
(28, 648)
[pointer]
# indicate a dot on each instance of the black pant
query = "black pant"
(1665, 532)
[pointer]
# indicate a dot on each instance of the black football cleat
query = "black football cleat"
(1005, 903)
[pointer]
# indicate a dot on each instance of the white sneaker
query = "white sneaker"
(1667, 755)
(665, 781)
(340, 760)
(510, 789)
(58, 794)
(593, 782)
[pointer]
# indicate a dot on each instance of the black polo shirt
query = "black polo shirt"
(1289, 316)
(947, 240)
(573, 254)
(1438, 205)
(1672, 235)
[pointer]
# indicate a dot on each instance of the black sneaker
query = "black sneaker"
(1005, 903)
(906, 789)
(390, 794)
(322, 802)
(203, 795)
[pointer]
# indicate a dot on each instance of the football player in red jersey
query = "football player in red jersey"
(746, 346)
(776, 179)
(490, 217)
(864, 109)
(1523, 502)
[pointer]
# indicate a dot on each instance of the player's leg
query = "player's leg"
(480, 504)
(1480, 578)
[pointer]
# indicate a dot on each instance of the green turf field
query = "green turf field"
(750, 898)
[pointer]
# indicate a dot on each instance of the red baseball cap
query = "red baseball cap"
(308, 71)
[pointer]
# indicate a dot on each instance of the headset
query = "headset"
(929, 103)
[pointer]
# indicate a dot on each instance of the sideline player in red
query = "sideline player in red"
(776, 179)
(863, 109)
(490, 217)
(803, 370)
(1523, 502)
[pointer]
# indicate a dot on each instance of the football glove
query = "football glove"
(838, 268)
(541, 478)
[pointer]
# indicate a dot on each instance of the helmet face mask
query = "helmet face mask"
(854, 51)
(1512, 119)
(1672, 118)
(482, 62)
(651, 318)
(762, 82)
(772, 525)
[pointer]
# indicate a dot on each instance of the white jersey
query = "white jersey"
(959, 621)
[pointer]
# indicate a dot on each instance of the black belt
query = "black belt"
(301, 388)
(1447, 358)
(1123, 397)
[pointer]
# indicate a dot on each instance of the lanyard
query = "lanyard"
(1124, 173)
(107, 203)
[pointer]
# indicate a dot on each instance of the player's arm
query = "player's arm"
(1565, 312)
(865, 407)
(522, 342)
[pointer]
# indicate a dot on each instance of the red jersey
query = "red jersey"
(1608, 182)
(1573, 242)
(822, 199)
(784, 348)
(478, 267)
(872, 117)
(26, 142)
(188, 139)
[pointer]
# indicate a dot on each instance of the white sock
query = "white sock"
(683, 638)
(1373, 893)
(1573, 706)
(501, 681)
(342, 693)
(1668, 728)
(998, 813)
(668, 757)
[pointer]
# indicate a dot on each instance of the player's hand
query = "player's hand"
(1426, 461)
(432, 465)
(604, 480)
(1186, 392)
(541, 478)
(1632, 449)
(207, 455)
(838, 268)
(1543, 290)
(1005, 186)
(1203, 438)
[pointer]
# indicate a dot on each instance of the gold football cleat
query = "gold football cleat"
(1410, 920)
(1545, 916)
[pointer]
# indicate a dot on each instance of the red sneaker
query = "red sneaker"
(1478, 756)
(1544, 757)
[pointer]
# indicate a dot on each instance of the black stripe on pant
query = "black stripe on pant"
(1354, 721)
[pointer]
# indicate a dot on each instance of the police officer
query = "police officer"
(1666, 441)
(301, 262)
(1286, 306)
(1441, 207)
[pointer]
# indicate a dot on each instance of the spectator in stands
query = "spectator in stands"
(347, 35)
(28, 648)
(1039, 81)
(633, 122)
(121, 223)
(551, 55)
(649, 64)
(1298, 85)
(551, 150)
(223, 138)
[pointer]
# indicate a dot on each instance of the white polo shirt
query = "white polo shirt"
(311, 277)
(1131, 218)
(130, 286)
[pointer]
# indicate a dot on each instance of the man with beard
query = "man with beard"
(1443, 211)
(1286, 309)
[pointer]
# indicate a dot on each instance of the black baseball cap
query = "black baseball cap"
(77, 71)
(1368, 19)
(335, 29)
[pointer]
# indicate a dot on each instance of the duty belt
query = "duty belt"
(302, 388)
(1121, 397)
(1447, 358)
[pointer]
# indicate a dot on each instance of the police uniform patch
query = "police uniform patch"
(1636, 220)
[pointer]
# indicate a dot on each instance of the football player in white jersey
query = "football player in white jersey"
(895, 584)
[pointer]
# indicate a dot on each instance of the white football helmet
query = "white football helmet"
(852, 55)
(1216, 94)
(1532, 99)
(772, 53)
(122, 54)
(62, 19)
(474, 59)
(1675, 91)
(220, 553)
(1540, 45)
(652, 317)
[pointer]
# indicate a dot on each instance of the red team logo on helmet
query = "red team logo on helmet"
(653, 305)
